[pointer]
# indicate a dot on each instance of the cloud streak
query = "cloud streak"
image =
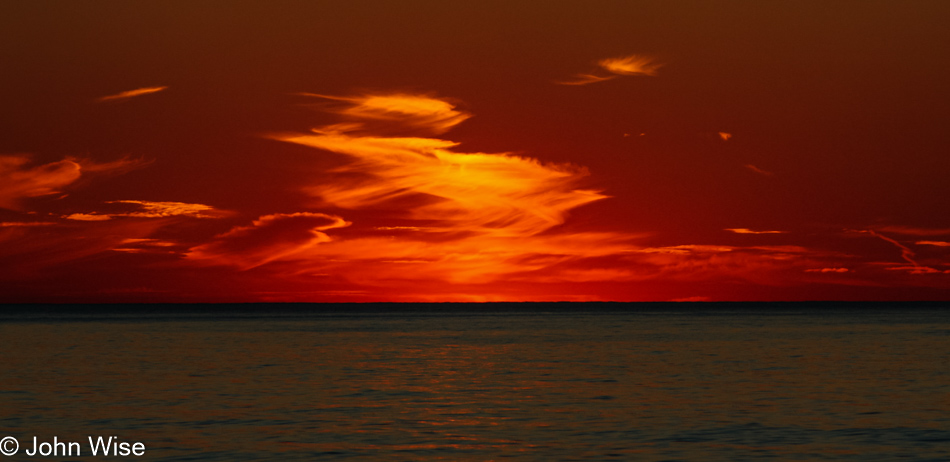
(130, 94)
(150, 209)
(758, 170)
(269, 238)
(749, 231)
(907, 255)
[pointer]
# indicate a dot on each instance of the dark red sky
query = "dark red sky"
(455, 151)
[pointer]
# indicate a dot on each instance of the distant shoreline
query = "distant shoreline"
(13, 312)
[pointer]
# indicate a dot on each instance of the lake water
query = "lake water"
(685, 385)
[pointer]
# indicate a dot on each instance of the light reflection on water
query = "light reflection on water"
(848, 386)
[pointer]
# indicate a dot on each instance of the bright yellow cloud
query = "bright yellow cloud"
(491, 193)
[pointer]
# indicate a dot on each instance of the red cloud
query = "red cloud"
(268, 238)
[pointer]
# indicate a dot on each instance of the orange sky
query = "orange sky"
(236, 151)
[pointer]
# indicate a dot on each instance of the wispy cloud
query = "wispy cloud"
(87, 217)
(758, 170)
(586, 79)
(460, 217)
(906, 253)
(914, 231)
(115, 167)
(26, 250)
(934, 243)
(763, 265)
(827, 270)
(683, 249)
(131, 94)
(403, 110)
(269, 238)
(916, 269)
(610, 68)
(142, 245)
(469, 259)
(749, 231)
(19, 181)
(488, 193)
(630, 65)
(25, 224)
(150, 209)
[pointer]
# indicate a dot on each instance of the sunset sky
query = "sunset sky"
(362, 151)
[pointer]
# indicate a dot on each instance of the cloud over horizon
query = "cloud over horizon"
(268, 238)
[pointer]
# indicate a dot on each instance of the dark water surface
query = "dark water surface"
(693, 385)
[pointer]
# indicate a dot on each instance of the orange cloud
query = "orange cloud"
(490, 193)
(269, 238)
(406, 110)
(630, 65)
(18, 181)
(150, 209)
(87, 217)
(131, 94)
(466, 218)
(749, 231)
(687, 249)
(141, 245)
(621, 66)
(471, 259)
(725, 136)
(934, 243)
